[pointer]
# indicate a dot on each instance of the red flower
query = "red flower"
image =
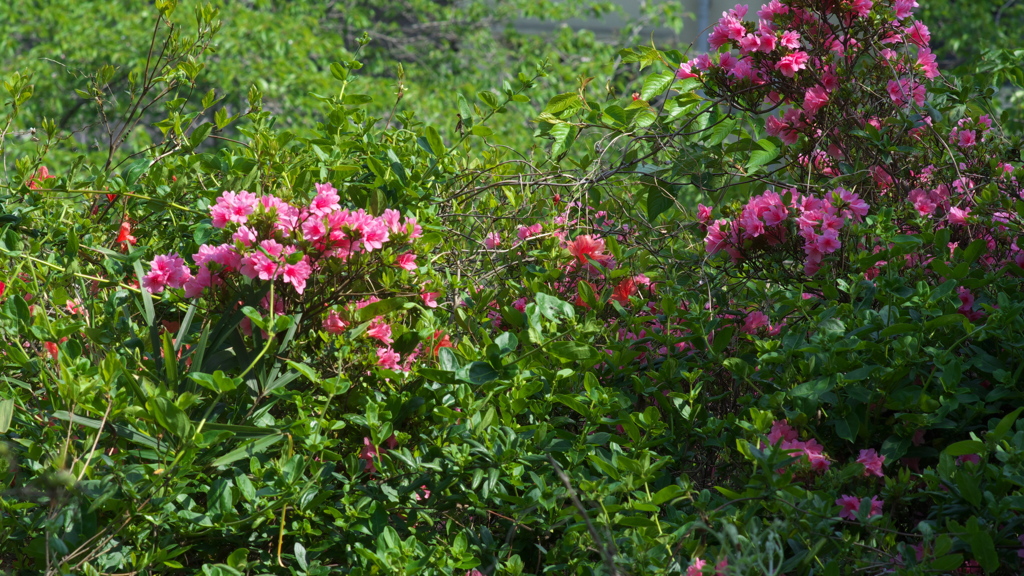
(35, 182)
(440, 340)
(586, 247)
(124, 234)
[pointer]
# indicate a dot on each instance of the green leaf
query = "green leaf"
(506, 342)
(766, 155)
(339, 71)
(564, 135)
(965, 447)
(168, 415)
(434, 141)
(944, 320)
(199, 134)
(658, 201)
(552, 308)
(357, 99)
(738, 366)
(6, 414)
(134, 171)
(572, 351)
(901, 328)
(481, 131)
(947, 563)
(122, 431)
(860, 373)
(670, 492)
(480, 373)
(489, 98)
(723, 336)
(982, 546)
(1001, 429)
(248, 449)
(721, 131)
(378, 308)
(656, 84)
(562, 102)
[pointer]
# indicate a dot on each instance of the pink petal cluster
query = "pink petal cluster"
(334, 323)
(266, 234)
(388, 359)
(586, 248)
(851, 505)
(872, 462)
(818, 222)
(167, 270)
(786, 437)
(492, 241)
(380, 330)
(233, 207)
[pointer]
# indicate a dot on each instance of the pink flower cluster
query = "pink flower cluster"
(818, 222)
(783, 435)
(274, 240)
(795, 55)
(872, 462)
(969, 132)
(851, 505)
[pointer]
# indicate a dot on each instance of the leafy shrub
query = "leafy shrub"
(759, 317)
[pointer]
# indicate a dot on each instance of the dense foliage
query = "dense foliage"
(748, 312)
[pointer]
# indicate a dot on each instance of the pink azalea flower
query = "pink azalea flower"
(754, 320)
(326, 200)
(696, 568)
(406, 262)
(926, 60)
(904, 8)
(790, 39)
(380, 330)
(876, 506)
(860, 7)
(492, 241)
(166, 270)
(334, 324)
(296, 274)
(958, 216)
(872, 462)
(586, 247)
(430, 299)
(685, 71)
(918, 34)
(388, 359)
(850, 505)
(369, 454)
(781, 430)
(790, 64)
(814, 99)
(233, 207)
(529, 231)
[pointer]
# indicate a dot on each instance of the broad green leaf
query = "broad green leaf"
(965, 447)
(656, 84)
(248, 449)
(6, 414)
(572, 351)
(562, 102)
(170, 417)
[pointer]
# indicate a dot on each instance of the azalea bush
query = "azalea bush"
(747, 312)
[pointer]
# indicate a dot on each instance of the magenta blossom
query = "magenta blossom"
(872, 462)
